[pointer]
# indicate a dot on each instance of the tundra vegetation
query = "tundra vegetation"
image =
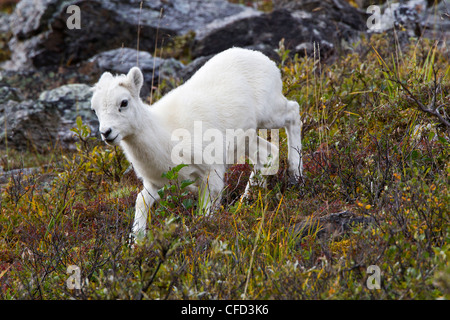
(375, 143)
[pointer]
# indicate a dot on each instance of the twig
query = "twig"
(138, 34)
(431, 108)
(140, 296)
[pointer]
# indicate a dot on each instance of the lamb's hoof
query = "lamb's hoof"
(295, 180)
(245, 197)
(136, 239)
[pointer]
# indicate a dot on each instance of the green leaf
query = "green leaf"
(179, 167)
(187, 203)
(186, 183)
(79, 122)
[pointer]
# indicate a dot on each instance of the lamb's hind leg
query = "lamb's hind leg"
(210, 192)
(293, 127)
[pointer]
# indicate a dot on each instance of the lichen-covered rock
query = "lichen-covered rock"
(70, 101)
(27, 125)
(40, 125)
(8, 93)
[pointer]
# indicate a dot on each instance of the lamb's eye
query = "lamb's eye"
(93, 110)
(124, 103)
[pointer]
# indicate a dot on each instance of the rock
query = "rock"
(27, 125)
(70, 101)
(436, 23)
(192, 67)
(5, 176)
(334, 224)
(42, 38)
(31, 17)
(41, 124)
(8, 93)
(66, 97)
(155, 69)
(400, 16)
(414, 18)
(183, 16)
(4, 22)
(328, 11)
(5, 36)
(300, 23)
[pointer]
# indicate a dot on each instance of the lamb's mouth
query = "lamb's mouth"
(109, 141)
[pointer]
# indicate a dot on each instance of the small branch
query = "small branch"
(431, 108)
(140, 295)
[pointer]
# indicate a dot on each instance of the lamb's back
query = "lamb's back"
(227, 92)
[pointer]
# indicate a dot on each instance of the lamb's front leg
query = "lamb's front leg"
(144, 201)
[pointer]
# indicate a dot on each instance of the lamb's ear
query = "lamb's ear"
(136, 78)
(106, 76)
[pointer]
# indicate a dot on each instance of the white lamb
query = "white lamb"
(236, 89)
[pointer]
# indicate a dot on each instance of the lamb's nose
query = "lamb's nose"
(106, 133)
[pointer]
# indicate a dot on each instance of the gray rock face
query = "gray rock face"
(69, 102)
(41, 124)
(300, 23)
(32, 17)
(7, 93)
(27, 125)
(41, 36)
(436, 23)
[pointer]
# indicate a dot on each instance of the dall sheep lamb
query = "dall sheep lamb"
(237, 89)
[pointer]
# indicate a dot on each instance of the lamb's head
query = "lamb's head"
(116, 103)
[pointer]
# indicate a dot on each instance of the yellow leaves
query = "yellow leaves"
(362, 205)
(4, 271)
(353, 114)
(353, 3)
(341, 247)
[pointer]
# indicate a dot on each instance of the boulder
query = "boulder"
(27, 125)
(39, 125)
(331, 225)
(436, 23)
(155, 70)
(8, 93)
(300, 23)
(404, 20)
(70, 101)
